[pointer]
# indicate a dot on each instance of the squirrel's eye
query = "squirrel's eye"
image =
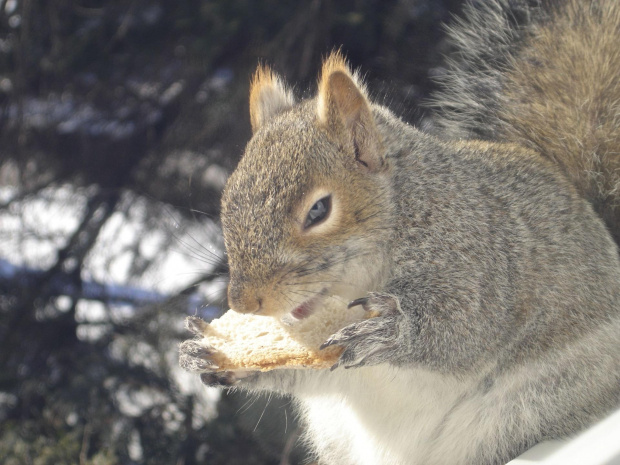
(318, 212)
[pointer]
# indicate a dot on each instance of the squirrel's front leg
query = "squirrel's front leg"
(378, 339)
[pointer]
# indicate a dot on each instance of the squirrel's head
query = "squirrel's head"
(306, 211)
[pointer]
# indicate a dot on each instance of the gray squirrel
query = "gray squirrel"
(487, 249)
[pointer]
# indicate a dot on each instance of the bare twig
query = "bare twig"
(85, 443)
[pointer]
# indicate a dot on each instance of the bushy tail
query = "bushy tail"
(545, 75)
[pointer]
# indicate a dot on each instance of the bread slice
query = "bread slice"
(242, 342)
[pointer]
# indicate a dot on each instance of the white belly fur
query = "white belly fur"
(360, 417)
(384, 415)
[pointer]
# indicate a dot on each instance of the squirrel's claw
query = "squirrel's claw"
(345, 335)
(363, 301)
(378, 303)
(196, 325)
(226, 378)
(222, 379)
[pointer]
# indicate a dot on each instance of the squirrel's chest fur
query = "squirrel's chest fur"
(384, 415)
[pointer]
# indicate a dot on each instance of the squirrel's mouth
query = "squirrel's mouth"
(308, 307)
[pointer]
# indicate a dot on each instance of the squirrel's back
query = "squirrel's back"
(546, 75)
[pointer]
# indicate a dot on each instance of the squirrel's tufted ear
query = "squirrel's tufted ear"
(268, 96)
(343, 108)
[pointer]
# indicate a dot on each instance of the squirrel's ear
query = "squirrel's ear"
(344, 109)
(268, 96)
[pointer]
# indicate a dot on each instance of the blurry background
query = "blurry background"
(119, 123)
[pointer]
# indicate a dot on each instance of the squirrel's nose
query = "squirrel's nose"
(244, 300)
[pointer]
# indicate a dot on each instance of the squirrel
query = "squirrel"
(487, 249)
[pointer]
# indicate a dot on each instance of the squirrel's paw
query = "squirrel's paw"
(371, 341)
(196, 357)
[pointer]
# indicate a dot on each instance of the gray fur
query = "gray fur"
(485, 39)
(500, 269)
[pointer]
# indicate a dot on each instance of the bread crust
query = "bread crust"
(247, 342)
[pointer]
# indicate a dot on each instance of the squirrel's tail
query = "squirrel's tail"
(545, 75)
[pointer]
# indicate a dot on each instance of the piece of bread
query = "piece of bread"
(241, 342)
